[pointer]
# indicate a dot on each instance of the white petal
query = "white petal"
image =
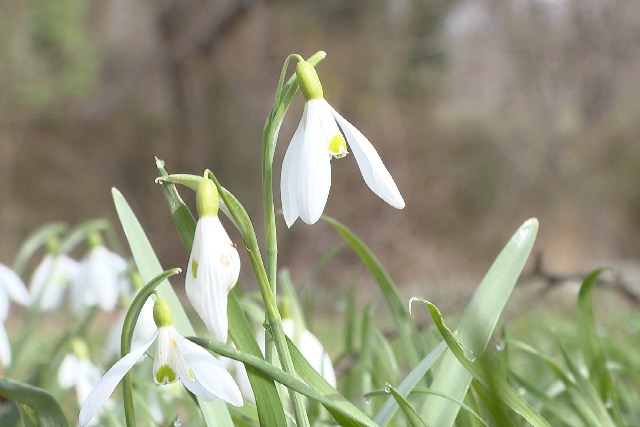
(168, 356)
(14, 286)
(87, 379)
(289, 174)
(314, 177)
(5, 347)
(218, 268)
(208, 372)
(108, 383)
(68, 371)
(375, 174)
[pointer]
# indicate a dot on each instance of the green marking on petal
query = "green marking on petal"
(338, 146)
(193, 377)
(194, 268)
(165, 375)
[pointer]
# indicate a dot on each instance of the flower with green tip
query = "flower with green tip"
(78, 371)
(50, 280)
(214, 264)
(176, 358)
(306, 169)
(101, 277)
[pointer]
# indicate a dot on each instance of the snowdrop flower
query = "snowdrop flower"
(51, 278)
(176, 358)
(100, 277)
(306, 169)
(76, 370)
(214, 264)
(11, 287)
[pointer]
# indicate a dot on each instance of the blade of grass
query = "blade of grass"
(409, 335)
(478, 323)
(484, 374)
(412, 416)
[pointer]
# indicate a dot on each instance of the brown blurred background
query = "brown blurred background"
(486, 112)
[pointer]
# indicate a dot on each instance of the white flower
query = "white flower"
(214, 267)
(176, 358)
(80, 373)
(12, 287)
(99, 280)
(50, 280)
(306, 169)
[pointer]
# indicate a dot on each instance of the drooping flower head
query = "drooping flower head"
(214, 264)
(77, 370)
(101, 277)
(306, 169)
(52, 277)
(176, 358)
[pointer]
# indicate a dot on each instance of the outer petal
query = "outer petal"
(214, 267)
(208, 372)
(108, 383)
(5, 347)
(87, 379)
(315, 168)
(289, 175)
(373, 171)
(14, 286)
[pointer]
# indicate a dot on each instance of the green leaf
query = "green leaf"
(407, 330)
(390, 407)
(411, 414)
(314, 386)
(478, 323)
(37, 407)
(215, 413)
(484, 374)
(593, 347)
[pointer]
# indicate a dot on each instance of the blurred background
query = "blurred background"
(486, 112)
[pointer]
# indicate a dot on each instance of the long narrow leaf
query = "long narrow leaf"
(37, 407)
(478, 323)
(407, 329)
(411, 414)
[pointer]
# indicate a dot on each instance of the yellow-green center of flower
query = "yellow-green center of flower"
(309, 81)
(165, 375)
(338, 146)
(207, 198)
(162, 314)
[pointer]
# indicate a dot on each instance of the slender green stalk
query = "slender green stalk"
(127, 335)
(284, 95)
(242, 220)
